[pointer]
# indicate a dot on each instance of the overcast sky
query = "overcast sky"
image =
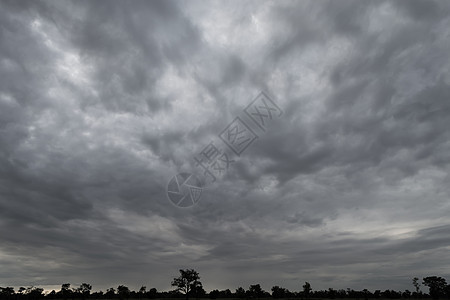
(102, 102)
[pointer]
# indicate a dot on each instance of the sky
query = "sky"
(102, 103)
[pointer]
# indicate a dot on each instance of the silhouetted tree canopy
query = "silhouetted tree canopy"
(188, 285)
(123, 291)
(279, 292)
(255, 291)
(437, 286)
(189, 280)
(306, 289)
(240, 292)
(416, 284)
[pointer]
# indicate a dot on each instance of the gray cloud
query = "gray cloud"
(101, 103)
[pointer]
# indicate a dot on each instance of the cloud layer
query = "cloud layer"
(101, 103)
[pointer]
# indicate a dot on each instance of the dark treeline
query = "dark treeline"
(188, 285)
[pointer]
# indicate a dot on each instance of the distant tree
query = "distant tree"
(21, 290)
(436, 286)
(110, 293)
(391, 294)
(152, 293)
(65, 291)
(341, 293)
(240, 292)
(6, 292)
(278, 292)
(97, 295)
(171, 294)
(350, 293)
(306, 289)
(447, 291)
(142, 291)
(255, 291)
(226, 293)
(214, 294)
(366, 293)
(34, 293)
(85, 290)
(197, 290)
(188, 280)
(123, 292)
(416, 284)
(332, 293)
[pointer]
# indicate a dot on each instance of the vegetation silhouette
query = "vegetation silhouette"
(437, 285)
(188, 285)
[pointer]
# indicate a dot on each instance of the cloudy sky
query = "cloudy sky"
(101, 103)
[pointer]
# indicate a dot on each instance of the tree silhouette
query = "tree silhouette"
(306, 289)
(189, 285)
(123, 291)
(65, 291)
(34, 293)
(436, 286)
(6, 292)
(188, 280)
(197, 290)
(255, 291)
(278, 292)
(85, 290)
(416, 284)
(110, 293)
(240, 292)
(447, 291)
(152, 293)
(406, 294)
(214, 294)
(142, 291)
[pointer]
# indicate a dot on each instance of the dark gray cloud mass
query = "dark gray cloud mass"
(102, 102)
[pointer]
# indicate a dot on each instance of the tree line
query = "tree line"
(188, 285)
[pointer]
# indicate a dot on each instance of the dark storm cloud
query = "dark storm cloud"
(130, 46)
(101, 102)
